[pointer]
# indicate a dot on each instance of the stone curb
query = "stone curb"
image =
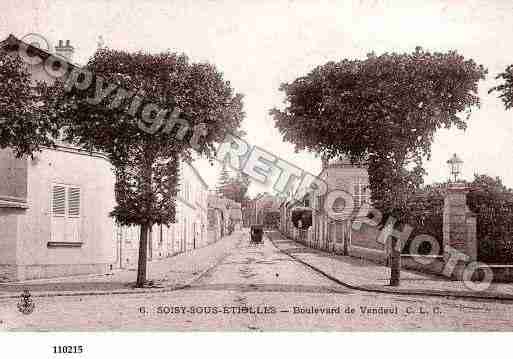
(120, 291)
(390, 290)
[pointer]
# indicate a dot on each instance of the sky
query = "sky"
(259, 44)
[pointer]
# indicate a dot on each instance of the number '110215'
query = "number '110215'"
(68, 349)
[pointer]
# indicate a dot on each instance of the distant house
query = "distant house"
(216, 218)
(264, 203)
(331, 233)
(236, 215)
(248, 212)
(228, 211)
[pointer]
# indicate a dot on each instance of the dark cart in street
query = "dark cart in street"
(257, 232)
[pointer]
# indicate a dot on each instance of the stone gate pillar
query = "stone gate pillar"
(459, 223)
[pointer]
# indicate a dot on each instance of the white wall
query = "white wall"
(96, 180)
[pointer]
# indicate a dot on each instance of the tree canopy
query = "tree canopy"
(505, 89)
(224, 179)
(146, 162)
(383, 110)
(145, 148)
(26, 120)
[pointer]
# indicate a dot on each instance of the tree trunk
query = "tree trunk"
(143, 255)
(145, 227)
(395, 264)
(346, 230)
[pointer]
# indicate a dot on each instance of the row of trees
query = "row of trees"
(146, 164)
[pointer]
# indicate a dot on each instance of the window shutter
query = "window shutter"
(74, 202)
(59, 201)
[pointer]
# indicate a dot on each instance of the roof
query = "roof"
(258, 196)
(196, 172)
(341, 162)
(12, 204)
(12, 43)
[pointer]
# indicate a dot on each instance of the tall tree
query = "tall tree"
(147, 161)
(119, 115)
(224, 179)
(384, 110)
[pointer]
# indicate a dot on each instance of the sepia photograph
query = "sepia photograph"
(255, 166)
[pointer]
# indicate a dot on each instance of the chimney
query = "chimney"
(65, 50)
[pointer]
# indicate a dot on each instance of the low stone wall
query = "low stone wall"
(424, 264)
(502, 273)
(432, 265)
(364, 245)
(370, 254)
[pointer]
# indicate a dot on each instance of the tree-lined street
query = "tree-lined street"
(257, 287)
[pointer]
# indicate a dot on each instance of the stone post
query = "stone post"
(472, 243)
(459, 225)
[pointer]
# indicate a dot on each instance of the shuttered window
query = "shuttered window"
(66, 201)
(66, 214)
(73, 202)
(59, 201)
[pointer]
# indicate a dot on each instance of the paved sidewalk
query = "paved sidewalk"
(167, 274)
(365, 275)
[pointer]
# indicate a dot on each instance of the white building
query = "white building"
(327, 233)
(54, 209)
(188, 233)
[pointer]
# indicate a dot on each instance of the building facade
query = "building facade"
(248, 212)
(54, 214)
(331, 233)
(258, 207)
(189, 232)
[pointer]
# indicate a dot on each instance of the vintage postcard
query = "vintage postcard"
(240, 166)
